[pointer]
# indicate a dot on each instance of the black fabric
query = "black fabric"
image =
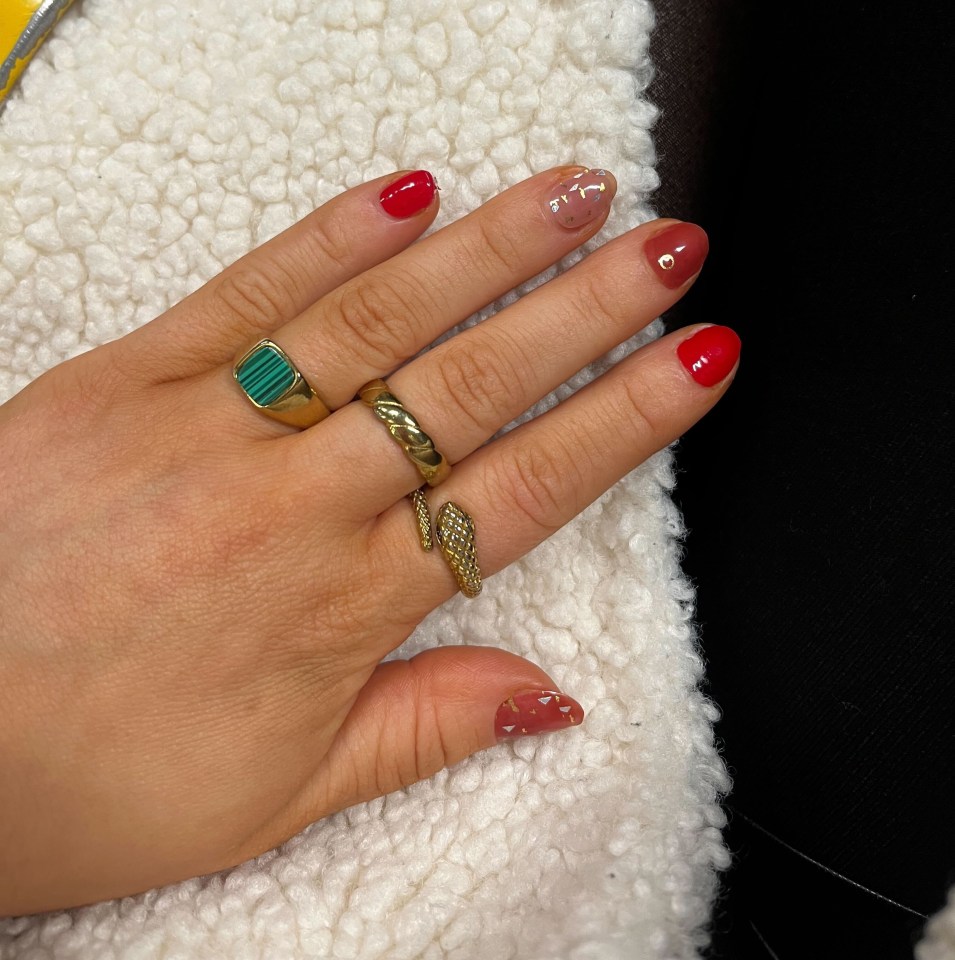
(818, 493)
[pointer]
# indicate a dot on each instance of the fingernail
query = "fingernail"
(580, 198)
(710, 354)
(408, 195)
(677, 253)
(536, 711)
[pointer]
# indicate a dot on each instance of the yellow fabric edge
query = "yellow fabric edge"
(15, 17)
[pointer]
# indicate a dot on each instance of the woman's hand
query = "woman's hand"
(196, 599)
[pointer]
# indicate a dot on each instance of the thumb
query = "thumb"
(415, 717)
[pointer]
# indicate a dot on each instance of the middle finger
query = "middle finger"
(469, 387)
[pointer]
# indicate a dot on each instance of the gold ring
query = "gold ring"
(454, 529)
(276, 387)
(420, 503)
(407, 432)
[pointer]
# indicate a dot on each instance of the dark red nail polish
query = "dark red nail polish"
(408, 195)
(677, 253)
(536, 711)
(709, 354)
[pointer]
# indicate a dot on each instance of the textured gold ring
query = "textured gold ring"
(276, 387)
(454, 530)
(423, 515)
(406, 431)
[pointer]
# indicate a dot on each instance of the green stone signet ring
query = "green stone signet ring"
(275, 386)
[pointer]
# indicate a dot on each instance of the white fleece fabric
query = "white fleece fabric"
(938, 937)
(150, 144)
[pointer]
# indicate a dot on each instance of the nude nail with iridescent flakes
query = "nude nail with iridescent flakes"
(582, 197)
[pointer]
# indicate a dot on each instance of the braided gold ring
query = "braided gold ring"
(406, 431)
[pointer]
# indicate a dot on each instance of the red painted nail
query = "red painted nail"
(709, 354)
(677, 253)
(408, 195)
(536, 711)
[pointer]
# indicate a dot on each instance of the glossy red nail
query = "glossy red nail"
(408, 195)
(709, 354)
(677, 253)
(536, 711)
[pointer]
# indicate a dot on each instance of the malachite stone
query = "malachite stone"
(265, 375)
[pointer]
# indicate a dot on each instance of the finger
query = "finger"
(275, 282)
(374, 323)
(416, 717)
(469, 387)
(466, 389)
(530, 482)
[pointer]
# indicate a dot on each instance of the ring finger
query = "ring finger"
(526, 485)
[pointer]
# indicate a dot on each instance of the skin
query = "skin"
(197, 600)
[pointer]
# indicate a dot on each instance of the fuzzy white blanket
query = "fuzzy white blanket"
(150, 144)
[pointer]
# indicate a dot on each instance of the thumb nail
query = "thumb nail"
(536, 711)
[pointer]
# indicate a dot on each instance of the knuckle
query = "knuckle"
(481, 383)
(534, 482)
(83, 387)
(497, 250)
(595, 299)
(635, 410)
(414, 750)
(377, 317)
(427, 756)
(257, 297)
(430, 754)
(329, 239)
(430, 751)
(82, 393)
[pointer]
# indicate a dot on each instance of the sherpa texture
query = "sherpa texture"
(938, 938)
(152, 143)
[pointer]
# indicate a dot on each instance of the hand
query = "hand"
(196, 599)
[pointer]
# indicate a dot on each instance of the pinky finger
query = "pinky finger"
(526, 485)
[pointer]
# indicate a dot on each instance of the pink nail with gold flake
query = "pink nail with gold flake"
(581, 198)
(536, 711)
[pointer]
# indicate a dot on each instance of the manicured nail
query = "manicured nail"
(536, 711)
(677, 253)
(409, 195)
(709, 354)
(580, 198)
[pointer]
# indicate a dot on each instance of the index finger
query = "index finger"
(266, 288)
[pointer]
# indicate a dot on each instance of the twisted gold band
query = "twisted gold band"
(407, 432)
